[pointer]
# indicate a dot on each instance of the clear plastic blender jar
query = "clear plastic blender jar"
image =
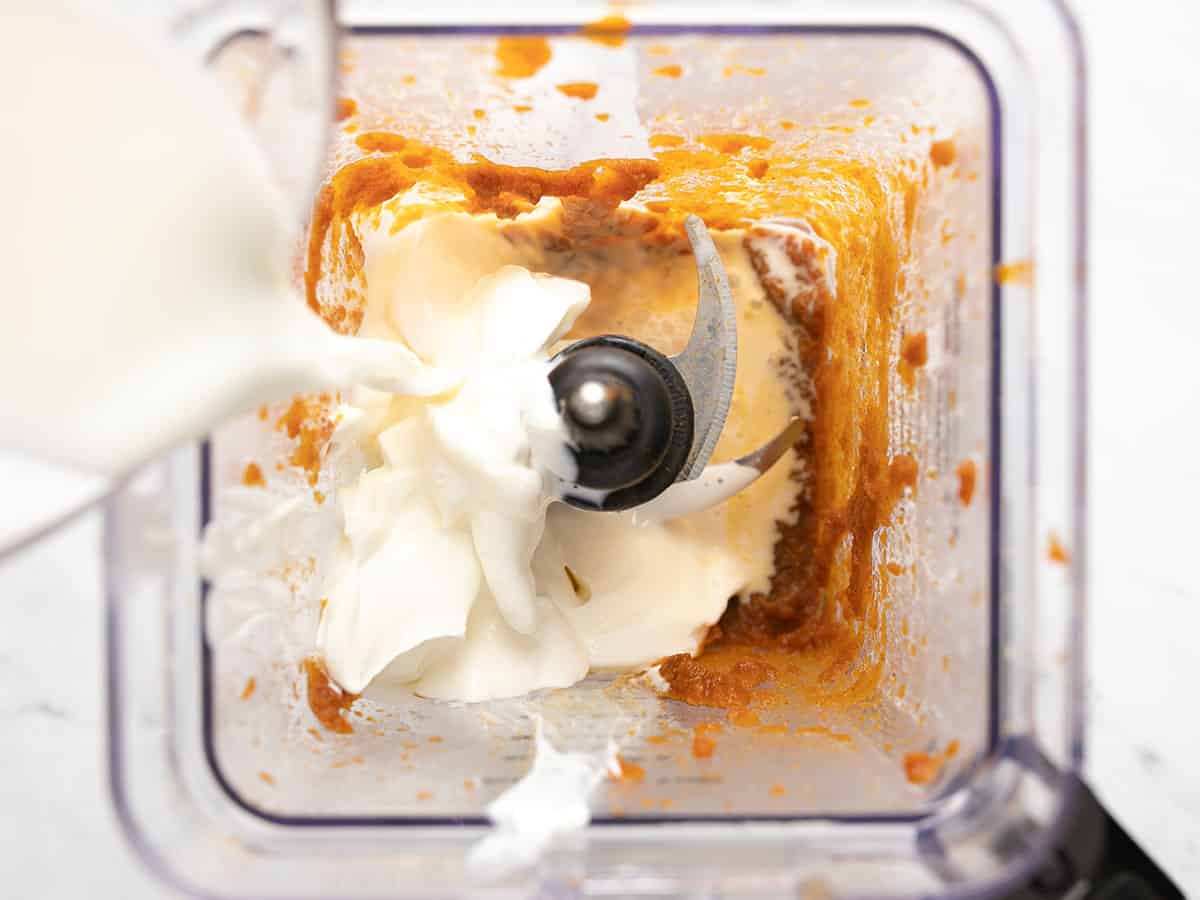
(950, 772)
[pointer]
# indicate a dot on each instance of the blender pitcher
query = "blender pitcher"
(942, 760)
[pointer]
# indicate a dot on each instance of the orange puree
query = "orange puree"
(327, 701)
(485, 187)
(1055, 551)
(627, 772)
(966, 481)
(942, 153)
(819, 629)
(914, 353)
(252, 476)
(922, 768)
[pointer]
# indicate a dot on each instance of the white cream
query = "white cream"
(452, 572)
(550, 802)
(654, 588)
(452, 516)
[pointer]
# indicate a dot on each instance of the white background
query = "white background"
(58, 837)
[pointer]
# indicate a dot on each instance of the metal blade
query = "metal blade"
(768, 454)
(719, 482)
(708, 363)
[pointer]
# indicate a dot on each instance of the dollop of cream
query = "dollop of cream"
(457, 575)
(447, 566)
(448, 521)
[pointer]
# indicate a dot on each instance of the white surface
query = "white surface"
(27, 514)
(59, 838)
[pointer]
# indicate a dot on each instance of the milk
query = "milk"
(144, 252)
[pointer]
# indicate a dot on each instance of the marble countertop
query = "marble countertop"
(59, 837)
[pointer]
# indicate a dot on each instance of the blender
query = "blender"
(983, 671)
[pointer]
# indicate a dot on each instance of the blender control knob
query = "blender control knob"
(629, 417)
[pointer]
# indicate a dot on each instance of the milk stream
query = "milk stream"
(144, 252)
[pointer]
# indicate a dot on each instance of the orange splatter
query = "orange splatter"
(248, 690)
(522, 108)
(345, 108)
(263, 412)
(734, 143)
(580, 90)
(626, 772)
(1017, 273)
(730, 71)
(778, 790)
(922, 768)
(308, 421)
(479, 113)
(674, 70)
(914, 353)
(860, 103)
(658, 141)
(744, 718)
(942, 153)
(610, 30)
(424, 795)
(757, 168)
(822, 731)
(1056, 552)
(252, 476)
(966, 481)
(327, 701)
(266, 777)
(435, 739)
(521, 56)
(602, 117)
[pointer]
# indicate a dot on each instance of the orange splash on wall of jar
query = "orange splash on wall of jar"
(966, 481)
(580, 90)
(610, 30)
(521, 56)
(328, 702)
